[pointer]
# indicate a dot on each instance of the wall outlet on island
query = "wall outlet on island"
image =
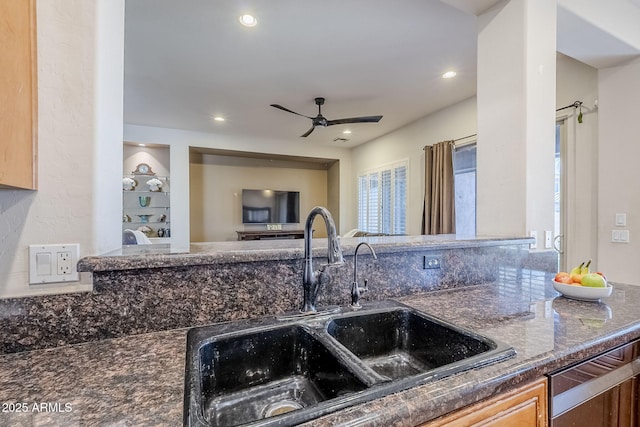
(431, 262)
(53, 263)
(274, 227)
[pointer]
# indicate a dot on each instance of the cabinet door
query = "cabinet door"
(18, 94)
(523, 407)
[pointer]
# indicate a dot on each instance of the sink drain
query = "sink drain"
(281, 407)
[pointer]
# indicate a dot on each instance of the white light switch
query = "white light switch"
(533, 234)
(621, 219)
(43, 263)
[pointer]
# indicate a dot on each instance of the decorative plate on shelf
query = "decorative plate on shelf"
(582, 293)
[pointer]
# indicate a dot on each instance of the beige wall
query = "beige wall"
(216, 195)
(579, 82)
(182, 142)
(618, 175)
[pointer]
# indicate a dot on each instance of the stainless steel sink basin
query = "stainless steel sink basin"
(271, 372)
(401, 343)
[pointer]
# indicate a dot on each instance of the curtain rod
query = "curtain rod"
(576, 104)
(454, 140)
(465, 137)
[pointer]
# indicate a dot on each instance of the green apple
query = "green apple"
(594, 280)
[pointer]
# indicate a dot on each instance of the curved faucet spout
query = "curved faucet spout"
(311, 280)
(357, 290)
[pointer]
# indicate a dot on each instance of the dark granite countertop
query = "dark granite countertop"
(138, 380)
(164, 255)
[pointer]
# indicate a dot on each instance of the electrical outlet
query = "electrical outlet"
(53, 263)
(64, 263)
(431, 262)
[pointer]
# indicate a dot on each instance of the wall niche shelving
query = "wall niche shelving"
(146, 191)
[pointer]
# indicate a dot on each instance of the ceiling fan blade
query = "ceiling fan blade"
(307, 133)
(366, 119)
(280, 107)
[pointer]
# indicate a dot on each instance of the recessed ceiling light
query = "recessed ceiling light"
(346, 131)
(142, 145)
(218, 119)
(248, 20)
(449, 75)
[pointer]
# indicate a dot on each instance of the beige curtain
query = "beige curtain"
(438, 215)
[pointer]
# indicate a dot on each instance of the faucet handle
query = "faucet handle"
(332, 264)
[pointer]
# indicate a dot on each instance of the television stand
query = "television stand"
(270, 235)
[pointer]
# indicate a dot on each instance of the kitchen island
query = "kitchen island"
(139, 380)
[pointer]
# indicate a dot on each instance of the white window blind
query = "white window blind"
(382, 199)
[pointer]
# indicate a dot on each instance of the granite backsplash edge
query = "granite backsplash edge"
(136, 301)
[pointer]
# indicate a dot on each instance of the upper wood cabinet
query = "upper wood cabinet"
(18, 94)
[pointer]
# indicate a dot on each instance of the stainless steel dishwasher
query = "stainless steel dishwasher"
(602, 391)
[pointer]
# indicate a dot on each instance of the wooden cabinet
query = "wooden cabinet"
(522, 407)
(18, 94)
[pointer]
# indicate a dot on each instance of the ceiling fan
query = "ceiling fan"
(320, 120)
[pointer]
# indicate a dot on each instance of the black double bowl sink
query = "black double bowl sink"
(282, 372)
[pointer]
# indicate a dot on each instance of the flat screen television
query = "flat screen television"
(270, 207)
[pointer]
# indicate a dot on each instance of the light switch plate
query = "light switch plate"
(621, 220)
(548, 239)
(620, 236)
(53, 263)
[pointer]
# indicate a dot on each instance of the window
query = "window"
(382, 199)
(464, 169)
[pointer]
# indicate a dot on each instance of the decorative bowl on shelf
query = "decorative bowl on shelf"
(144, 218)
(582, 293)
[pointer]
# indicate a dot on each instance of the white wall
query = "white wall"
(618, 175)
(108, 117)
(70, 108)
(453, 122)
(516, 103)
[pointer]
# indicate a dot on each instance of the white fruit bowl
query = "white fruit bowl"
(583, 293)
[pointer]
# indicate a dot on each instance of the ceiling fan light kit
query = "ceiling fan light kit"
(320, 120)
